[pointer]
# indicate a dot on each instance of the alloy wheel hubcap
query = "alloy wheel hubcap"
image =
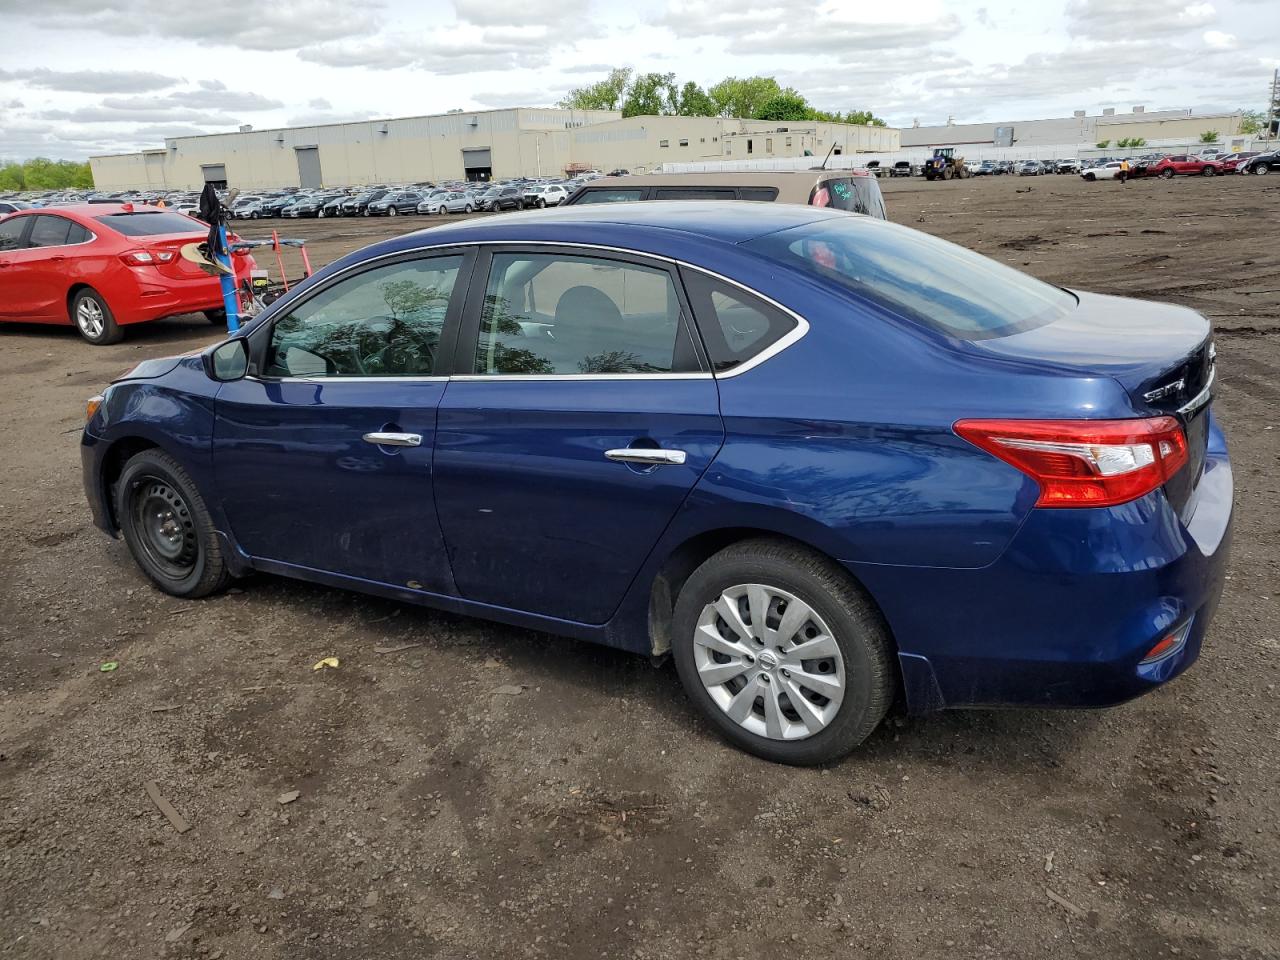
(769, 661)
(89, 317)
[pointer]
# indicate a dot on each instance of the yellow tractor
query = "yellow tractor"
(945, 165)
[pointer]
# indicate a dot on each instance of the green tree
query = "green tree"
(41, 173)
(651, 95)
(606, 94)
(1252, 121)
(1209, 136)
(1102, 144)
(864, 117)
(786, 105)
(694, 102)
(743, 97)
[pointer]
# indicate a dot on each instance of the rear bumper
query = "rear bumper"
(153, 299)
(1066, 615)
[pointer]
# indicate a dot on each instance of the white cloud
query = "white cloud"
(89, 81)
(1220, 41)
(1113, 20)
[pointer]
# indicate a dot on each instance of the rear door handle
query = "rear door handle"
(646, 455)
(394, 439)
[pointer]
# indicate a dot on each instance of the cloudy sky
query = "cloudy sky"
(96, 76)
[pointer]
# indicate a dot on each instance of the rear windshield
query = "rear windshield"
(856, 194)
(150, 224)
(930, 281)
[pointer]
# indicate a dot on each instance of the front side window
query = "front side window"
(560, 314)
(382, 323)
(11, 233)
(932, 282)
(735, 326)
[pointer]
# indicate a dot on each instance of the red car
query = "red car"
(1232, 161)
(102, 266)
(1169, 167)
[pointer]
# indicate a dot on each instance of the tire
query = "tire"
(255, 215)
(93, 318)
(320, 214)
(467, 208)
(392, 212)
(860, 661)
(1261, 169)
(167, 526)
(1208, 172)
(1168, 174)
(217, 317)
(1090, 177)
(541, 203)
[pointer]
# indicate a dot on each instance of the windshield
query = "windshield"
(930, 281)
(150, 224)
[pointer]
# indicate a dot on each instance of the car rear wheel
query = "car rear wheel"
(1168, 174)
(467, 208)
(167, 526)
(217, 317)
(1207, 172)
(392, 212)
(94, 319)
(782, 653)
(1261, 169)
(1090, 177)
(254, 215)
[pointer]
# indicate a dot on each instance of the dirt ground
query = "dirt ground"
(590, 815)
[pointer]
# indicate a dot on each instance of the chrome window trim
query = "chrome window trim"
(796, 334)
(344, 379)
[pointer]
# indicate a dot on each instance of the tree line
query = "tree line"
(660, 94)
(42, 173)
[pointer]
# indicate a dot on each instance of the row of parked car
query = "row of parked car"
(1170, 166)
(391, 201)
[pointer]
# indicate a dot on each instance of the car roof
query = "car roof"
(642, 226)
(794, 186)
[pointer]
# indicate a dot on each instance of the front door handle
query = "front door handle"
(650, 456)
(394, 439)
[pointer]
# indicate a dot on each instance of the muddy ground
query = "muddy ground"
(591, 815)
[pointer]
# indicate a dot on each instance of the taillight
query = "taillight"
(1085, 463)
(145, 258)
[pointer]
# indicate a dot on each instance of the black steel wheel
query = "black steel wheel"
(167, 526)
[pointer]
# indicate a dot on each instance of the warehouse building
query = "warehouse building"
(1156, 126)
(471, 145)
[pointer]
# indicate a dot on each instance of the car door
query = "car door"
(323, 455)
(50, 266)
(580, 415)
(15, 295)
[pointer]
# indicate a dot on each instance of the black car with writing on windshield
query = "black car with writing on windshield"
(854, 190)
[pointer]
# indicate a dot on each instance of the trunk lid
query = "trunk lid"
(1161, 354)
(179, 268)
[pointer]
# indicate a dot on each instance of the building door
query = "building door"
(309, 166)
(215, 173)
(153, 163)
(477, 164)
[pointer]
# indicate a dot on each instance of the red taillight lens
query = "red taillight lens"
(1085, 463)
(146, 258)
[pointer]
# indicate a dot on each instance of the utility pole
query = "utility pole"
(1273, 107)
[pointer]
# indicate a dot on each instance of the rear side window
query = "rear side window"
(49, 232)
(856, 194)
(561, 314)
(765, 194)
(11, 232)
(609, 196)
(148, 224)
(735, 326)
(930, 281)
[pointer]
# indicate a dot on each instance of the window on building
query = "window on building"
(702, 139)
(750, 145)
(768, 145)
(788, 143)
(684, 143)
(664, 143)
(714, 139)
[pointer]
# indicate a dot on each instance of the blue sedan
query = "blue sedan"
(823, 461)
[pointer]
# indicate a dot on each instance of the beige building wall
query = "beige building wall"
(521, 142)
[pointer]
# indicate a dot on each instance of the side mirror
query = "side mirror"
(227, 361)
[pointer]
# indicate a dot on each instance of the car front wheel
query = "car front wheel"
(782, 653)
(392, 211)
(1261, 170)
(94, 319)
(1168, 174)
(168, 527)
